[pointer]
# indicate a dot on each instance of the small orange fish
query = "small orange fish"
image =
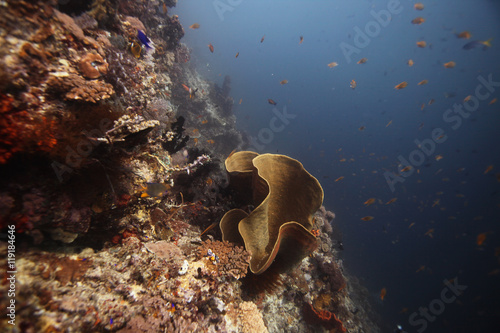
(391, 201)
(418, 6)
(411, 225)
(195, 141)
(332, 64)
(362, 128)
(464, 34)
(467, 98)
(390, 122)
(367, 218)
(241, 100)
(435, 203)
(430, 233)
(237, 54)
(204, 121)
(211, 47)
(282, 82)
(401, 85)
(410, 62)
(421, 268)
(209, 181)
(432, 101)
(406, 168)
(422, 82)
(340, 178)
(370, 201)
(262, 39)
(343, 160)
(353, 84)
(493, 101)
(383, 292)
(362, 61)
(164, 8)
(422, 106)
(154, 190)
(481, 238)
(211, 141)
(488, 169)
(449, 64)
(315, 232)
(421, 44)
(418, 20)
(439, 157)
(270, 101)
(194, 26)
(301, 39)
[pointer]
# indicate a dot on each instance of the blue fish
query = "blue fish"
(144, 39)
(478, 43)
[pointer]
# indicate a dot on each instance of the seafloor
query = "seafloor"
(111, 171)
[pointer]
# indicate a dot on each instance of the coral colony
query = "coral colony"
(115, 184)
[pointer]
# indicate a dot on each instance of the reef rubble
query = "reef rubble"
(116, 184)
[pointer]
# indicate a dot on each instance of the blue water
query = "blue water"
(323, 128)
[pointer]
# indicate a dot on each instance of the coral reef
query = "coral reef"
(92, 66)
(286, 196)
(224, 259)
(74, 87)
(89, 119)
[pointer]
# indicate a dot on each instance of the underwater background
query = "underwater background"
(117, 117)
(457, 196)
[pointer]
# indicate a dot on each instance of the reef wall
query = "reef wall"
(111, 155)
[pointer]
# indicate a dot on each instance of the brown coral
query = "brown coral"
(63, 269)
(278, 230)
(69, 24)
(75, 87)
(333, 275)
(230, 260)
(93, 65)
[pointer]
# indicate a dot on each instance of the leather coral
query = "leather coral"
(285, 196)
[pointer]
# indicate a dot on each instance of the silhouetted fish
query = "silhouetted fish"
(478, 43)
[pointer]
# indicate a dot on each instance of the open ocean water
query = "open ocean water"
(433, 147)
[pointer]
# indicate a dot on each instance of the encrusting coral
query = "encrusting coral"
(224, 258)
(286, 197)
(324, 318)
(92, 66)
(74, 87)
